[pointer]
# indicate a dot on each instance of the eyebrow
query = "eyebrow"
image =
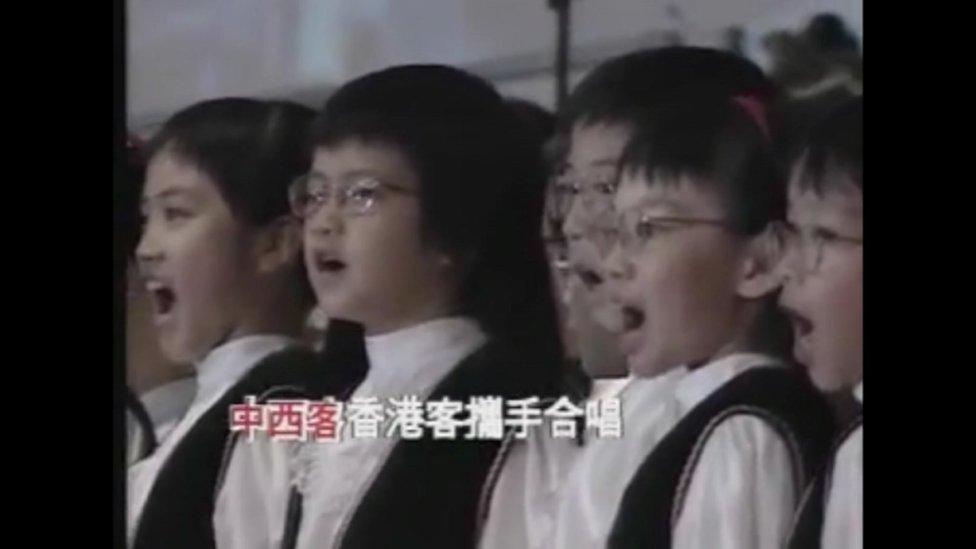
(352, 174)
(173, 191)
(605, 162)
(608, 162)
(660, 203)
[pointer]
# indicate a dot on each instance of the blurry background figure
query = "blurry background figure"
(557, 203)
(542, 125)
(577, 324)
(182, 52)
(824, 55)
(818, 68)
(158, 390)
(733, 39)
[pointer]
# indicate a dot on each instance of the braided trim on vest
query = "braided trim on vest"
(776, 423)
(232, 438)
(827, 471)
(297, 491)
(491, 480)
(804, 501)
(495, 473)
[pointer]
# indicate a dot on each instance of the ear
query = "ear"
(278, 245)
(760, 270)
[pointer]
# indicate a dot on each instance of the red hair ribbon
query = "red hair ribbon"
(756, 110)
(133, 141)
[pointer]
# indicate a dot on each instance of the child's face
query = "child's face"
(824, 282)
(371, 266)
(590, 224)
(195, 258)
(675, 276)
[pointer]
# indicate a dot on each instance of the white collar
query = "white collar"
(641, 392)
(227, 364)
(417, 357)
(169, 401)
(859, 392)
(609, 387)
(698, 384)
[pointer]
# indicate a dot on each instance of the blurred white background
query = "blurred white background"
(182, 51)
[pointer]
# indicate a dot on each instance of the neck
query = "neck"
(743, 337)
(386, 326)
(286, 319)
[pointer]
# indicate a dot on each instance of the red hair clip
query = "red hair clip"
(133, 141)
(756, 110)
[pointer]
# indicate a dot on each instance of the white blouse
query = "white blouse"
(844, 513)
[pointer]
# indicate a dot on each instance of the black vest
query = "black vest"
(780, 396)
(426, 493)
(808, 528)
(179, 510)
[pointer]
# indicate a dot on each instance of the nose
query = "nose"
(327, 220)
(791, 266)
(616, 265)
(574, 227)
(149, 250)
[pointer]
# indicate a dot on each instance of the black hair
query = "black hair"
(540, 125)
(536, 119)
(251, 149)
(620, 89)
(131, 173)
(835, 145)
(482, 183)
(720, 144)
(828, 34)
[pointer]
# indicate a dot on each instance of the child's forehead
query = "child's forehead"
(170, 175)
(831, 208)
(680, 195)
(597, 144)
(355, 156)
(840, 197)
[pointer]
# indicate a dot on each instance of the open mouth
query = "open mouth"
(633, 318)
(802, 332)
(631, 336)
(163, 300)
(325, 263)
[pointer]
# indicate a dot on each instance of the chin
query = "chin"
(643, 365)
(824, 379)
(334, 306)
